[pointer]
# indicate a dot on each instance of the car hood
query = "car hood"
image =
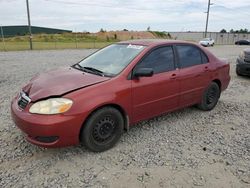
(59, 82)
(247, 51)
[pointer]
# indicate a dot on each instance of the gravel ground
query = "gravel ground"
(186, 148)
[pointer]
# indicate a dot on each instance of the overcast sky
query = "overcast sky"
(164, 15)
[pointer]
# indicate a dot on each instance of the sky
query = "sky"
(162, 15)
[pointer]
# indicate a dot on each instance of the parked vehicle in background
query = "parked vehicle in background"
(243, 63)
(94, 100)
(242, 42)
(207, 42)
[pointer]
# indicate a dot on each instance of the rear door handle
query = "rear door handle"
(173, 76)
(206, 69)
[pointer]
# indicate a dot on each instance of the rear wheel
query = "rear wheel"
(103, 129)
(210, 97)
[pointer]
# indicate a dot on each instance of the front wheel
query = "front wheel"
(103, 129)
(210, 97)
(238, 72)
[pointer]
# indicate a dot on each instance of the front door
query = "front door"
(155, 95)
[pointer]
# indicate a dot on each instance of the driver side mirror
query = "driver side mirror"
(143, 72)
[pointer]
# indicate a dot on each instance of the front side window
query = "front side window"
(112, 59)
(188, 56)
(160, 60)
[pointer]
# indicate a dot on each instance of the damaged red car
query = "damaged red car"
(95, 100)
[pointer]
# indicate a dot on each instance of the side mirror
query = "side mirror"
(143, 72)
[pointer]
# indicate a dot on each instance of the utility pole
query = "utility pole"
(76, 38)
(208, 10)
(28, 13)
(3, 38)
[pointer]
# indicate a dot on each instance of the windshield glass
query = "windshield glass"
(206, 39)
(112, 59)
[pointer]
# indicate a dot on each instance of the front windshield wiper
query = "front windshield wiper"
(94, 70)
(89, 70)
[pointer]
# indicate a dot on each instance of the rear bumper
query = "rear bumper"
(204, 44)
(47, 130)
(242, 67)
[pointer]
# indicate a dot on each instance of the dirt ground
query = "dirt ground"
(186, 148)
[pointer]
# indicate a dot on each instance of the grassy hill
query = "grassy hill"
(77, 40)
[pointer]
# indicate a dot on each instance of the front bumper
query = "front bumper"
(47, 130)
(243, 67)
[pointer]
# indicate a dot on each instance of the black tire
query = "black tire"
(103, 129)
(210, 97)
(238, 72)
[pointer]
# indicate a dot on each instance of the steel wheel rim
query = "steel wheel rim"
(104, 129)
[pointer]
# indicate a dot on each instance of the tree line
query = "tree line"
(235, 31)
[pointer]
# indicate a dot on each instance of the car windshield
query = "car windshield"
(112, 59)
(206, 39)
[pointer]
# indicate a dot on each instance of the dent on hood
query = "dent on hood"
(60, 82)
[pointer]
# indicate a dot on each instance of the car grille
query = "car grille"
(23, 100)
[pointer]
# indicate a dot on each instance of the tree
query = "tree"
(223, 31)
(115, 36)
(240, 31)
(102, 30)
(243, 30)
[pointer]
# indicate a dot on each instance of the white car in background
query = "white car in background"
(207, 42)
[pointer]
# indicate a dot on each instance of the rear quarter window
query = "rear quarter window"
(204, 57)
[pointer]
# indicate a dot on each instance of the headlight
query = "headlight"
(242, 55)
(51, 106)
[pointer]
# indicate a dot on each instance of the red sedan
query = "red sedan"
(95, 100)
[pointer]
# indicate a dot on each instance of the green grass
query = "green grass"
(17, 46)
(160, 34)
(55, 41)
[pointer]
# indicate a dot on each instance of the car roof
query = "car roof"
(153, 42)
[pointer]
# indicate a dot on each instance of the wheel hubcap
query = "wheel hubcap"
(104, 129)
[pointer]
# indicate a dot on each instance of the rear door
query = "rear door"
(155, 95)
(193, 75)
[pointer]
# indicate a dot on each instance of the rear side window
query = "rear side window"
(160, 60)
(189, 56)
